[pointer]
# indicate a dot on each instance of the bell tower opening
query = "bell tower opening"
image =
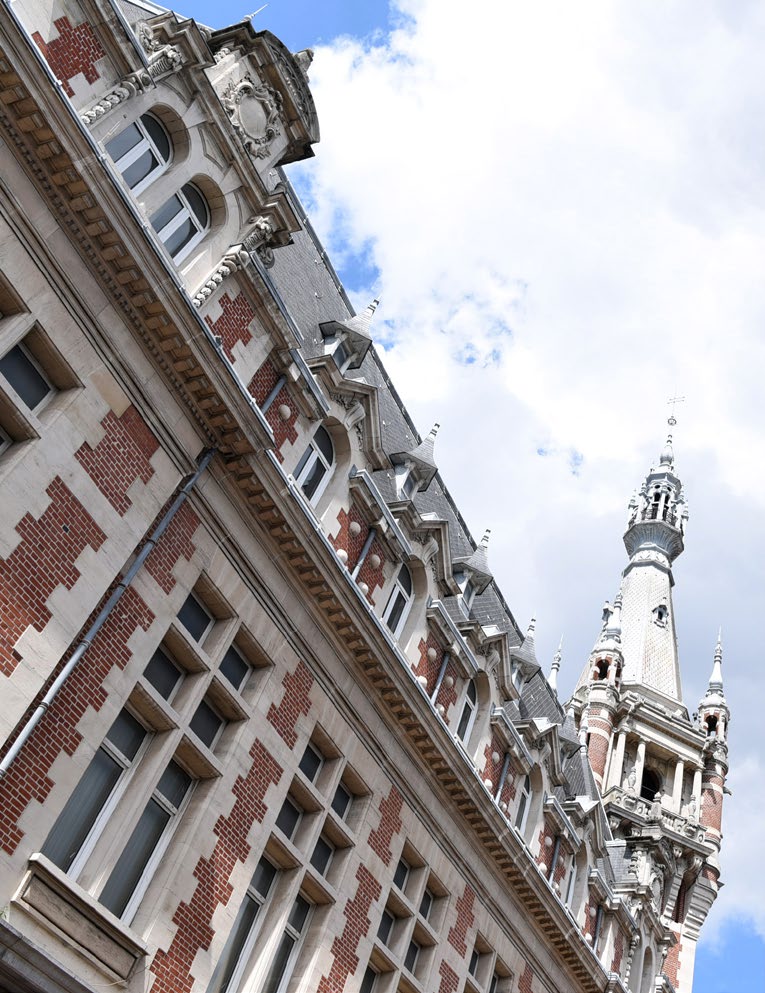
(651, 784)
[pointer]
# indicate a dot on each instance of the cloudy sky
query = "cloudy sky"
(561, 206)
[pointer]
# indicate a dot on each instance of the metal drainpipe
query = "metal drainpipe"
(598, 925)
(273, 394)
(103, 614)
(371, 535)
(502, 777)
(440, 679)
(556, 853)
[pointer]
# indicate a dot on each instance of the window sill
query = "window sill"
(55, 901)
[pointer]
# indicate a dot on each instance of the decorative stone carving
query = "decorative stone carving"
(162, 58)
(235, 258)
(254, 109)
(130, 86)
(259, 240)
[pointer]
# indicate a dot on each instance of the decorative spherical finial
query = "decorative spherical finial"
(672, 420)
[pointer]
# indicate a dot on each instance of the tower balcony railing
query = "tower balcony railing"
(652, 810)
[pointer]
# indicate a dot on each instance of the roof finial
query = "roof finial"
(552, 679)
(434, 429)
(715, 680)
(485, 539)
(667, 456)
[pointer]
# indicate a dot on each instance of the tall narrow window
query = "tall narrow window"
(571, 882)
(25, 376)
(238, 948)
(465, 725)
(311, 762)
(94, 793)
(524, 804)
(141, 151)
(315, 467)
(182, 221)
(130, 876)
(399, 602)
(163, 674)
(234, 668)
(284, 960)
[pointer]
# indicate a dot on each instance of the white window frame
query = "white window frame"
(245, 954)
(406, 481)
(571, 882)
(5, 440)
(134, 153)
(412, 969)
(473, 706)
(401, 887)
(210, 624)
(300, 811)
(298, 937)
(397, 590)
(221, 727)
(333, 851)
(185, 213)
(316, 751)
(176, 813)
(129, 768)
(52, 390)
(311, 456)
(522, 813)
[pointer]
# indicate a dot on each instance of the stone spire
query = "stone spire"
(639, 630)
(552, 679)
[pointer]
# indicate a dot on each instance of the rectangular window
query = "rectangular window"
(412, 954)
(25, 376)
(92, 794)
(311, 763)
(473, 964)
(386, 926)
(368, 981)
(163, 674)
(288, 818)
(234, 668)
(284, 959)
(322, 855)
(401, 874)
(426, 904)
(494, 984)
(207, 724)
(238, 947)
(131, 874)
(195, 617)
(341, 801)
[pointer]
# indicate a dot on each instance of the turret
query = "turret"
(714, 717)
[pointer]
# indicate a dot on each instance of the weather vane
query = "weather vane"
(671, 420)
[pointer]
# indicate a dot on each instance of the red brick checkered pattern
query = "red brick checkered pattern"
(295, 702)
(234, 323)
(345, 945)
(600, 726)
(672, 961)
(424, 666)
(616, 962)
(527, 978)
(260, 387)
(27, 779)
(465, 919)
(447, 696)
(121, 456)
(354, 544)
(390, 824)
(43, 560)
(449, 979)
(176, 543)
(711, 801)
(76, 50)
(172, 968)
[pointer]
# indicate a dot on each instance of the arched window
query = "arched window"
(651, 784)
(141, 152)
(399, 602)
(524, 805)
(182, 221)
(315, 467)
(465, 725)
(711, 725)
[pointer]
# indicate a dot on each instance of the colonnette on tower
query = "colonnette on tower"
(268, 724)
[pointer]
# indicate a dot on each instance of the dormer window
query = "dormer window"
(399, 603)
(467, 590)
(406, 481)
(141, 151)
(315, 467)
(467, 716)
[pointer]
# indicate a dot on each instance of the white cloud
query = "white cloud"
(571, 195)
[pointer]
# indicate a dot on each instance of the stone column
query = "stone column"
(616, 766)
(697, 790)
(639, 764)
(677, 788)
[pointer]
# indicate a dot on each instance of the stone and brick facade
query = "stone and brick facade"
(268, 723)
